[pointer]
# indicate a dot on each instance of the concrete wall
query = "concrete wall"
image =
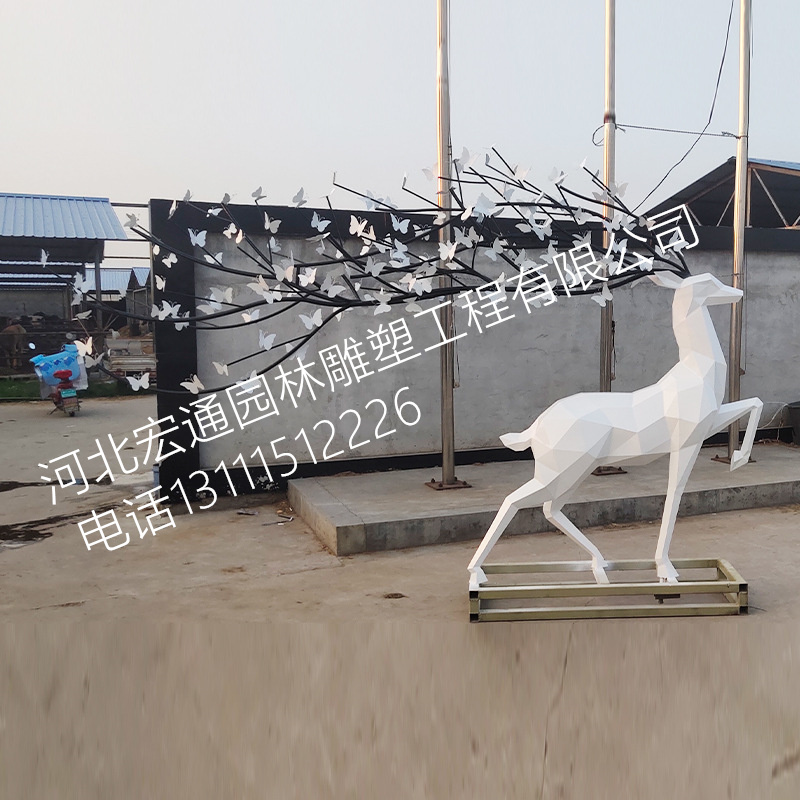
(507, 374)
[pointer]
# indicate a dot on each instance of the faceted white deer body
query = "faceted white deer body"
(579, 433)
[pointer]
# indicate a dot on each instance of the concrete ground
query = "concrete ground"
(142, 672)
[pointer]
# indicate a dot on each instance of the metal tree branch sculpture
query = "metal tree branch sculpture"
(510, 220)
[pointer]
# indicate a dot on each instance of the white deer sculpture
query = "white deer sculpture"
(673, 416)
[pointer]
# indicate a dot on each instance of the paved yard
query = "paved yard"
(177, 667)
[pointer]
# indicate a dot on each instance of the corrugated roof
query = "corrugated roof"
(48, 217)
(710, 197)
(793, 165)
(114, 280)
(15, 280)
(142, 275)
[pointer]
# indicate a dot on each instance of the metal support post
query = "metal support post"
(739, 211)
(447, 371)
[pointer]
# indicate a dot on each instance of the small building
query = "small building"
(71, 230)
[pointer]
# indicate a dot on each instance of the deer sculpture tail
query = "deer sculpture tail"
(518, 441)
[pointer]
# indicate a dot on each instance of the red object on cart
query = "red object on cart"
(64, 395)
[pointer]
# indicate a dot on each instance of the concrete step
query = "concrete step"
(391, 510)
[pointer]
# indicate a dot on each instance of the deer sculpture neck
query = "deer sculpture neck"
(698, 344)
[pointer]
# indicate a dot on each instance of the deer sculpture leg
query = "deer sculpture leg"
(531, 494)
(680, 466)
(729, 412)
(553, 512)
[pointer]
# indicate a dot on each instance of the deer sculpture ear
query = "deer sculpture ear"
(669, 280)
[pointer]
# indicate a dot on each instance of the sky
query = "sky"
(133, 101)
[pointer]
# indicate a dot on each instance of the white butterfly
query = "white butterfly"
(114, 334)
(308, 276)
(193, 384)
(357, 225)
(542, 230)
(463, 239)
(410, 279)
(423, 285)
(334, 291)
(484, 207)
(374, 267)
(619, 191)
(273, 244)
(160, 282)
(299, 198)
(84, 348)
(81, 284)
(169, 260)
(432, 171)
(141, 382)
(179, 326)
(447, 250)
(187, 197)
(89, 361)
(260, 287)
(222, 369)
(319, 223)
(87, 314)
(557, 176)
(222, 295)
(398, 225)
(257, 194)
(285, 272)
(215, 259)
(602, 299)
(44, 256)
(413, 307)
(229, 231)
(132, 222)
(266, 340)
(213, 212)
(197, 238)
(383, 306)
(172, 209)
(239, 236)
(156, 249)
(249, 384)
(496, 249)
(271, 225)
(226, 198)
(315, 320)
(251, 316)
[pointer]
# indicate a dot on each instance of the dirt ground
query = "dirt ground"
(234, 657)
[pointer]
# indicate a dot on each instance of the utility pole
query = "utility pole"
(739, 210)
(609, 136)
(447, 351)
(609, 141)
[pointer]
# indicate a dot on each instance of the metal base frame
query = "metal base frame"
(490, 601)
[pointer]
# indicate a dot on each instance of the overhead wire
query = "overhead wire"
(700, 134)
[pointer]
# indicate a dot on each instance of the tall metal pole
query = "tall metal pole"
(446, 312)
(739, 211)
(609, 135)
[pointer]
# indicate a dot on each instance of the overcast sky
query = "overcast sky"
(138, 100)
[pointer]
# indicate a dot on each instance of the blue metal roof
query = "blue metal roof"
(48, 217)
(793, 165)
(116, 279)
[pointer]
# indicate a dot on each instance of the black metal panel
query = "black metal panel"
(176, 351)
